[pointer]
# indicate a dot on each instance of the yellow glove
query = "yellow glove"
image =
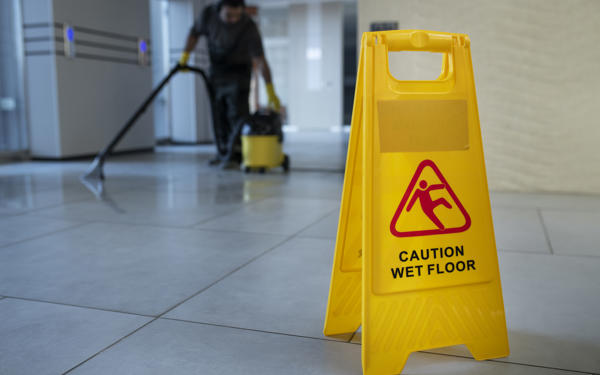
(183, 60)
(273, 99)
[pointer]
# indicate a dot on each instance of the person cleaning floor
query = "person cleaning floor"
(234, 46)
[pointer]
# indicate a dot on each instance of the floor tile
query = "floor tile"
(552, 309)
(42, 338)
(125, 268)
(316, 185)
(274, 215)
(519, 229)
(20, 181)
(243, 187)
(171, 347)
(166, 161)
(573, 232)
(147, 207)
(25, 193)
(325, 228)
(48, 169)
(24, 201)
(427, 363)
(310, 185)
(284, 291)
(234, 184)
(546, 200)
(22, 227)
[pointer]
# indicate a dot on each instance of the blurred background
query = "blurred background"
(535, 66)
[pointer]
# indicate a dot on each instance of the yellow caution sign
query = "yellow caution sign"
(415, 258)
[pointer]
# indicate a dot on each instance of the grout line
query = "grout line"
(351, 337)
(76, 183)
(318, 170)
(159, 226)
(502, 362)
(226, 276)
(277, 245)
(556, 209)
(240, 231)
(146, 225)
(187, 228)
(546, 254)
(254, 330)
(233, 210)
(512, 363)
(500, 250)
(299, 234)
(315, 222)
(90, 198)
(269, 233)
(560, 193)
(334, 210)
(78, 306)
(10, 215)
(47, 188)
(566, 209)
(47, 234)
(109, 346)
(316, 237)
(546, 235)
(52, 206)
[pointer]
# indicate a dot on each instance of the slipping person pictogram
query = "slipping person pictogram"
(422, 192)
(427, 204)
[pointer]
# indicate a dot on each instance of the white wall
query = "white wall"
(77, 105)
(160, 66)
(190, 107)
(40, 78)
(273, 25)
(315, 65)
(536, 72)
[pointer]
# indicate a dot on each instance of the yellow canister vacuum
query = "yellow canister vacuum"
(262, 143)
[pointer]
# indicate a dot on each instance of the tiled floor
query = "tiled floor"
(182, 269)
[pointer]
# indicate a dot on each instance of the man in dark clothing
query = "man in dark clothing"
(234, 46)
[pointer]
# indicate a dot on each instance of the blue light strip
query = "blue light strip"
(70, 34)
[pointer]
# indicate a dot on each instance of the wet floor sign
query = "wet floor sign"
(415, 259)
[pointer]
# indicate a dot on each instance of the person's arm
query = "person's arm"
(436, 187)
(190, 44)
(198, 29)
(263, 66)
(257, 53)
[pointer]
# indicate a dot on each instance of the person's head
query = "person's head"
(231, 11)
(423, 184)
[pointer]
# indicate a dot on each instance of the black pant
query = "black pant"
(230, 111)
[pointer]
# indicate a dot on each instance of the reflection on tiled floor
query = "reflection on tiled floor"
(183, 269)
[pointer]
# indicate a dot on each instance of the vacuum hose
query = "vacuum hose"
(95, 170)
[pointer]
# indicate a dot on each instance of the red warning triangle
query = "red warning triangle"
(421, 196)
